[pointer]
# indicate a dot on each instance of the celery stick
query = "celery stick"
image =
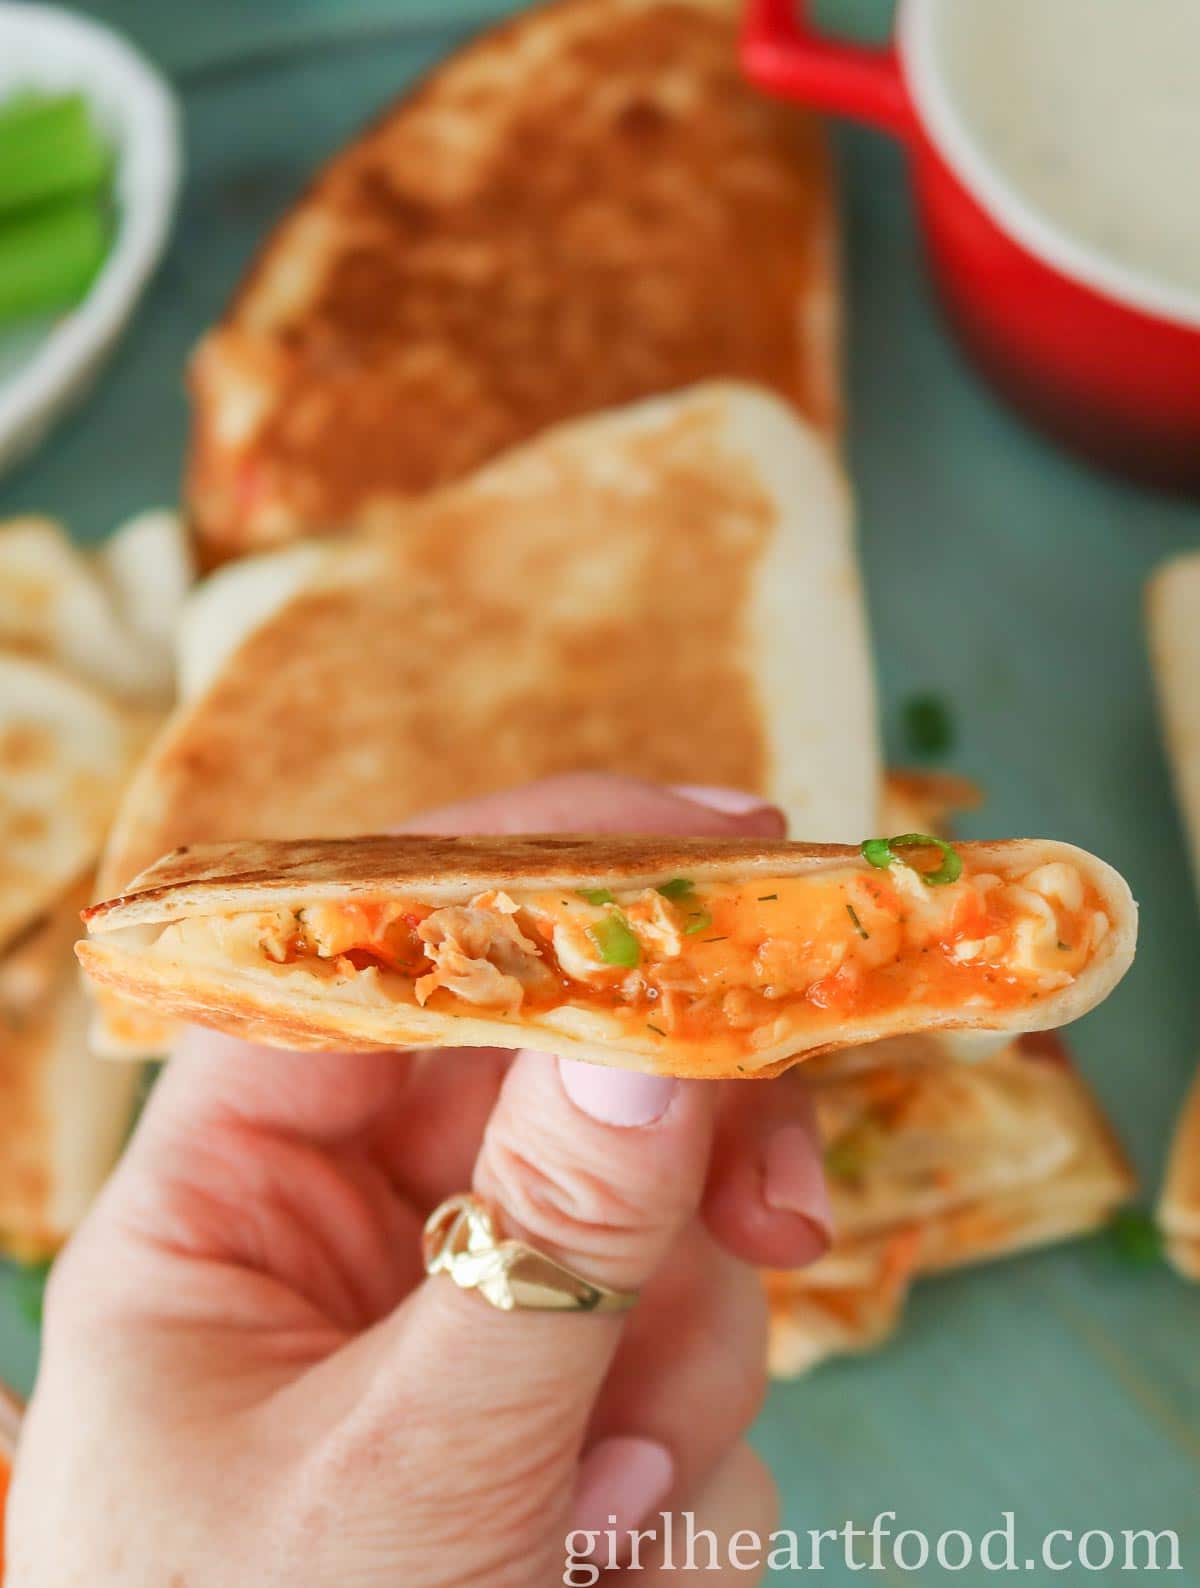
(49, 148)
(49, 258)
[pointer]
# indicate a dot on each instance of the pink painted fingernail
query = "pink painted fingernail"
(621, 1483)
(793, 1179)
(729, 801)
(616, 1097)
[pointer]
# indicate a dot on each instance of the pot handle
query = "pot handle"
(784, 55)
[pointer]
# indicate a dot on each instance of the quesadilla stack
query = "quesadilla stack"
(1174, 629)
(686, 956)
(83, 673)
(584, 207)
(934, 1166)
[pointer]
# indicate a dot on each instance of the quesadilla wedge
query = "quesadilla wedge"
(848, 1303)
(669, 591)
(64, 1116)
(936, 1167)
(1173, 612)
(688, 956)
(585, 206)
(905, 1144)
(1179, 1204)
(65, 754)
(104, 616)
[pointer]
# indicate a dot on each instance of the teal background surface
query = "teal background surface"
(1002, 574)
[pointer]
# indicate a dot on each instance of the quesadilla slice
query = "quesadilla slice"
(905, 1144)
(936, 1167)
(106, 616)
(689, 956)
(65, 1116)
(668, 592)
(1173, 610)
(65, 753)
(848, 1303)
(585, 206)
(1179, 1204)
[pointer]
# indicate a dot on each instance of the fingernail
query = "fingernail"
(621, 1483)
(729, 801)
(793, 1180)
(616, 1097)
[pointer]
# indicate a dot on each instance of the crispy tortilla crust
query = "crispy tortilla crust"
(584, 206)
(305, 1013)
(807, 1326)
(1179, 1204)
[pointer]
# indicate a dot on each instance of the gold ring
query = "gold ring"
(460, 1240)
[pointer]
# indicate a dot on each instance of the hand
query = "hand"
(247, 1379)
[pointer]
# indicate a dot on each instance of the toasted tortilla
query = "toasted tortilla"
(911, 1143)
(63, 1117)
(852, 1303)
(583, 207)
(65, 754)
(1179, 1203)
(1173, 612)
(213, 934)
(993, 1190)
(668, 592)
(105, 617)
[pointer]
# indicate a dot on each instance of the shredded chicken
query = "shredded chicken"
(482, 956)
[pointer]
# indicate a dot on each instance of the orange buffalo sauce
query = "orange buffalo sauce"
(719, 964)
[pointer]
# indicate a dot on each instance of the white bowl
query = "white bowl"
(45, 48)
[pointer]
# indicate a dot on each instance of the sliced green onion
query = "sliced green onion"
(1136, 1237)
(881, 852)
(701, 920)
(877, 852)
(49, 258)
(928, 725)
(677, 888)
(844, 1158)
(616, 942)
(595, 895)
(50, 148)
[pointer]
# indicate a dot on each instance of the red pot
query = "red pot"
(1107, 360)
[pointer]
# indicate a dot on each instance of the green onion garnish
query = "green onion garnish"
(881, 852)
(616, 942)
(701, 921)
(928, 725)
(677, 888)
(858, 926)
(844, 1158)
(595, 895)
(763, 897)
(1135, 1236)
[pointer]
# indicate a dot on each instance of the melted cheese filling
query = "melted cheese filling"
(750, 964)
